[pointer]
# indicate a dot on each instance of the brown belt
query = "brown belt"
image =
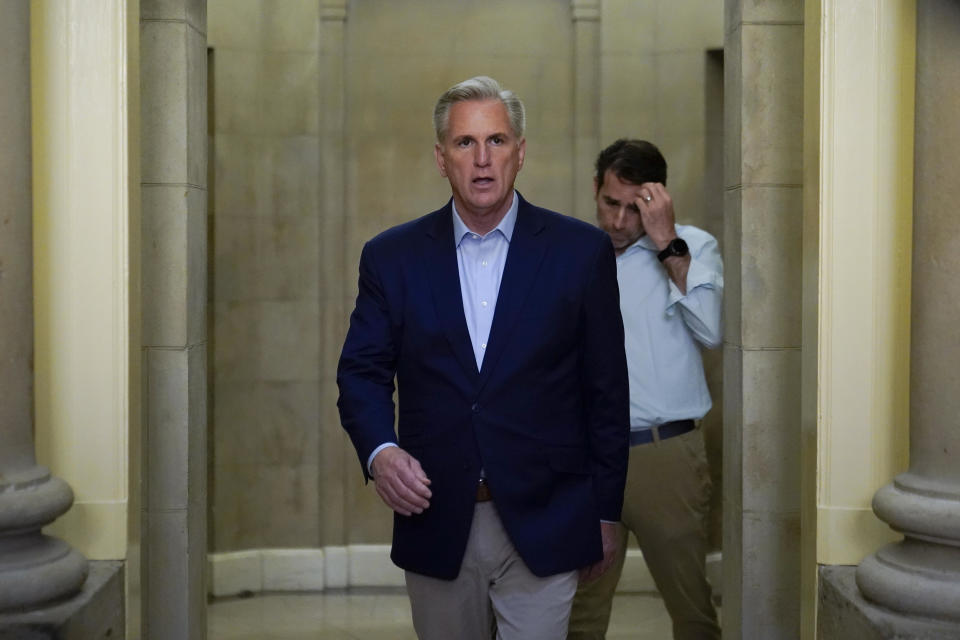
(483, 492)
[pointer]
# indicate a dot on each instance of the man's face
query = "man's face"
(480, 156)
(617, 211)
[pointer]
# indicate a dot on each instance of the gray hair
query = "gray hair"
(478, 88)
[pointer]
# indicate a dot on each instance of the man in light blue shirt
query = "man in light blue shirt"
(671, 290)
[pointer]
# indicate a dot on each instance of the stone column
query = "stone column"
(173, 86)
(920, 576)
(586, 103)
(763, 133)
(34, 568)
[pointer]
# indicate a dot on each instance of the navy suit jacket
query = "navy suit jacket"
(547, 416)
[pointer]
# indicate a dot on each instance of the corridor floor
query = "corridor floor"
(382, 614)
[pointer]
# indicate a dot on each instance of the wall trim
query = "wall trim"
(233, 573)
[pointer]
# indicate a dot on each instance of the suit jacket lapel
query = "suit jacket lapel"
(440, 265)
(527, 248)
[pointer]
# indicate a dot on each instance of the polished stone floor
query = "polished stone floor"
(381, 614)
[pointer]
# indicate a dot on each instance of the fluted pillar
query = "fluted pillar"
(34, 568)
(335, 301)
(920, 576)
(586, 103)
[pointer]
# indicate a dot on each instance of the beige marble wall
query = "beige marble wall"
(288, 227)
(264, 264)
(654, 69)
(763, 220)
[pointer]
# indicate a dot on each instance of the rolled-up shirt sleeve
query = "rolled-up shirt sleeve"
(702, 306)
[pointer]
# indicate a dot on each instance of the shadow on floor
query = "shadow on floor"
(382, 614)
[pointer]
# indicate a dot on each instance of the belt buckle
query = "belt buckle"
(483, 492)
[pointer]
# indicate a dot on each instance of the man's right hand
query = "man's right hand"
(400, 481)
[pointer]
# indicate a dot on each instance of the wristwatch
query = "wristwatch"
(677, 247)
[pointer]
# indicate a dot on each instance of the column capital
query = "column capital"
(333, 10)
(585, 10)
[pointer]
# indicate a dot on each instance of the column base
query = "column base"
(36, 569)
(843, 613)
(96, 612)
(914, 578)
(921, 507)
(30, 499)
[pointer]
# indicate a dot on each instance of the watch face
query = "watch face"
(677, 247)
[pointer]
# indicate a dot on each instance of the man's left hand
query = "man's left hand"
(611, 545)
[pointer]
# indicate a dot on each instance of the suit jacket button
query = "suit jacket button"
(475, 408)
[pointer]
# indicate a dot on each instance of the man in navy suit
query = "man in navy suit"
(500, 323)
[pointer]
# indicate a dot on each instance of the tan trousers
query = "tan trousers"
(665, 506)
(495, 593)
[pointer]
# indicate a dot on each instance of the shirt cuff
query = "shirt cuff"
(374, 455)
(608, 521)
(698, 275)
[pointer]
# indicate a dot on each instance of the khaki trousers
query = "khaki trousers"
(494, 593)
(665, 506)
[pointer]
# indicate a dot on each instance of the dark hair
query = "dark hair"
(633, 161)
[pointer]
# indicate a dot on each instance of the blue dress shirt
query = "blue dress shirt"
(480, 261)
(664, 329)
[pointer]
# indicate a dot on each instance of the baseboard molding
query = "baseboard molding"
(361, 565)
(256, 570)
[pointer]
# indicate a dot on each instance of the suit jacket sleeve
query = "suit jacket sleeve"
(367, 366)
(606, 384)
